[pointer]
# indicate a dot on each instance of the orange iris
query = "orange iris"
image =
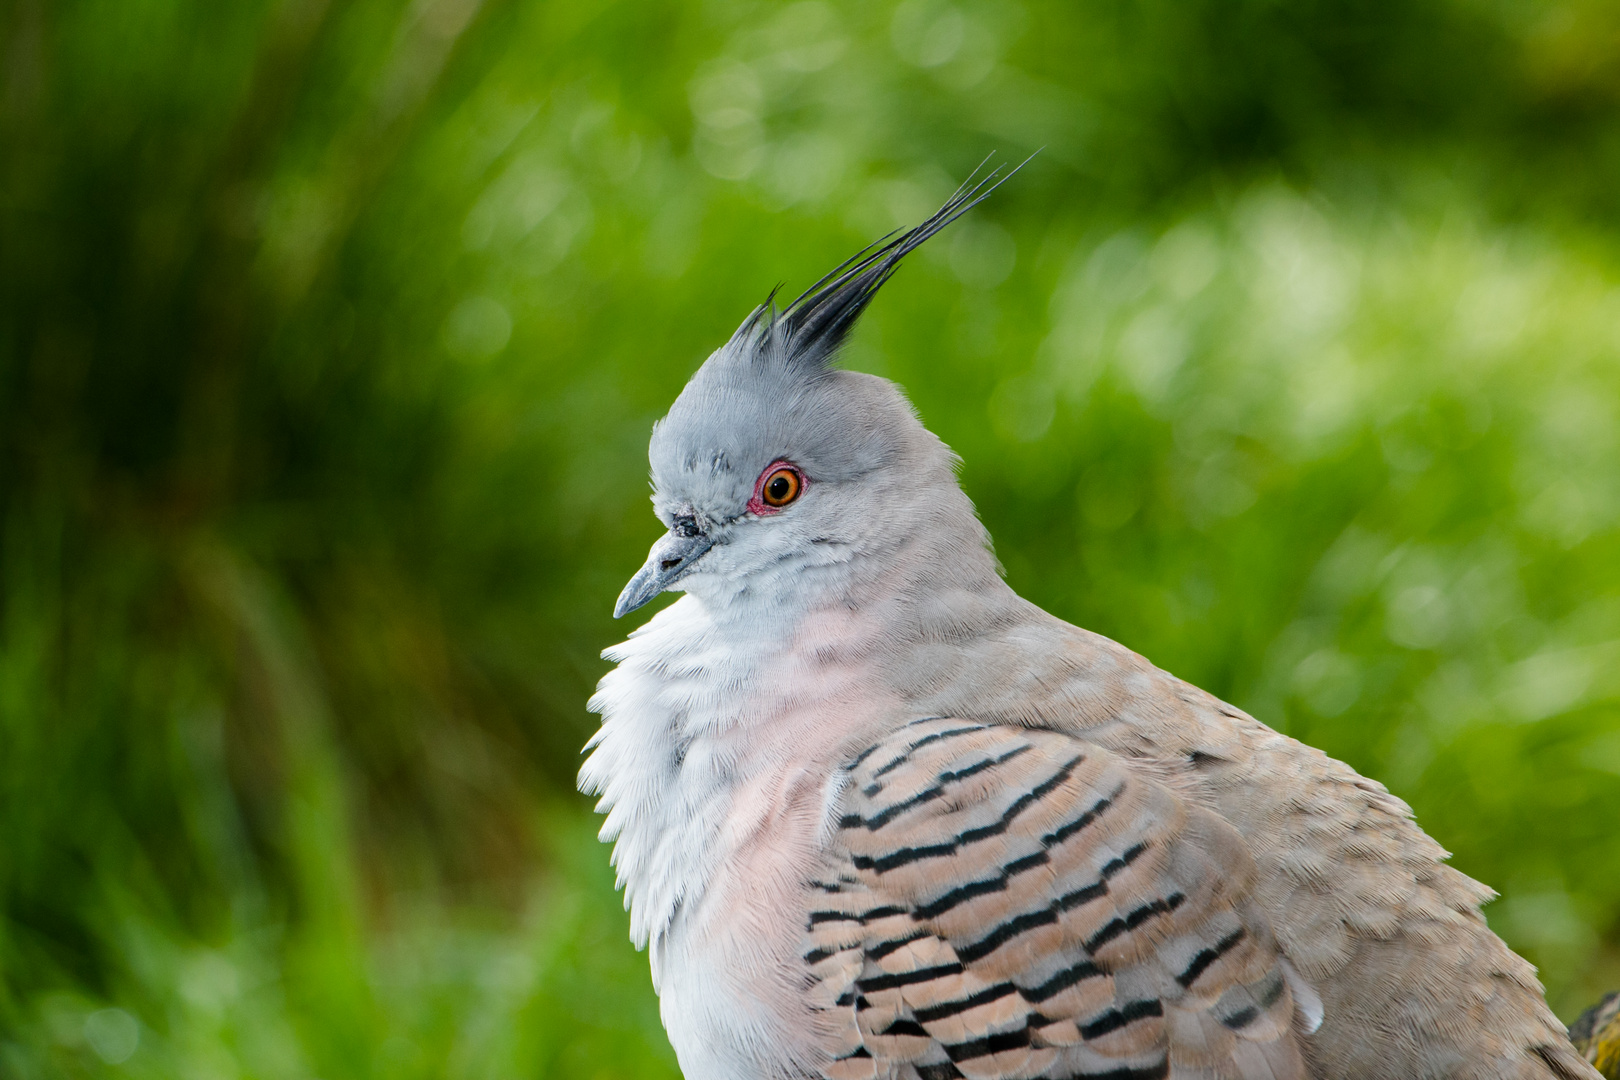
(781, 487)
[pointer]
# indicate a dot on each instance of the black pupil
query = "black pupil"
(779, 487)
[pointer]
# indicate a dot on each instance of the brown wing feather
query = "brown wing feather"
(1017, 903)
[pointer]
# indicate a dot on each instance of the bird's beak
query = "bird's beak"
(671, 557)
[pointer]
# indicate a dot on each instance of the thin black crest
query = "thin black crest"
(816, 324)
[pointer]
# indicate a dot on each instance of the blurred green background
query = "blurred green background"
(330, 338)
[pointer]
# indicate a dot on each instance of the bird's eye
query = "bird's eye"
(781, 487)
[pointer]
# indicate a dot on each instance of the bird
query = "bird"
(1596, 1035)
(878, 817)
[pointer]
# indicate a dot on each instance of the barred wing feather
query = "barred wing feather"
(1011, 903)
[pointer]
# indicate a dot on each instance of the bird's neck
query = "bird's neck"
(730, 690)
(701, 717)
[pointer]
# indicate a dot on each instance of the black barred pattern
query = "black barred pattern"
(1242, 1018)
(1134, 919)
(985, 886)
(1047, 916)
(1206, 957)
(907, 978)
(862, 756)
(1070, 976)
(1018, 924)
(990, 1044)
(1269, 993)
(926, 740)
(951, 1008)
(1114, 1019)
(1157, 1071)
(987, 998)
(924, 720)
(1052, 839)
(884, 948)
(929, 794)
(819, 917)
(970, 836)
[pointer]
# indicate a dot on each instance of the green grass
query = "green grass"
(428, 991)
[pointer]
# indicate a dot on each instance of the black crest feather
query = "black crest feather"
(813, 326)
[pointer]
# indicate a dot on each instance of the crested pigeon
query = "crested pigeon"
(876, 816)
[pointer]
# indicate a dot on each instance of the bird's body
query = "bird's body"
(877, 816)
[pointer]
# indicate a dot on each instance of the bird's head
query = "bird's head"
(783, 478)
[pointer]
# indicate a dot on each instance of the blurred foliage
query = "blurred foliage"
(331, 333)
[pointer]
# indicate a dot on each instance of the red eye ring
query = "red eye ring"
(779, 485)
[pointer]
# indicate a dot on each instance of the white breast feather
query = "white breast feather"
(676, 683)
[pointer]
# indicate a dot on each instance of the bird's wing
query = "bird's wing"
(1003, 902)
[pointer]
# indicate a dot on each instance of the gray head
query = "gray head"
(778, 474)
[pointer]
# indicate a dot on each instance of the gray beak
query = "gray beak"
(671, 557)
